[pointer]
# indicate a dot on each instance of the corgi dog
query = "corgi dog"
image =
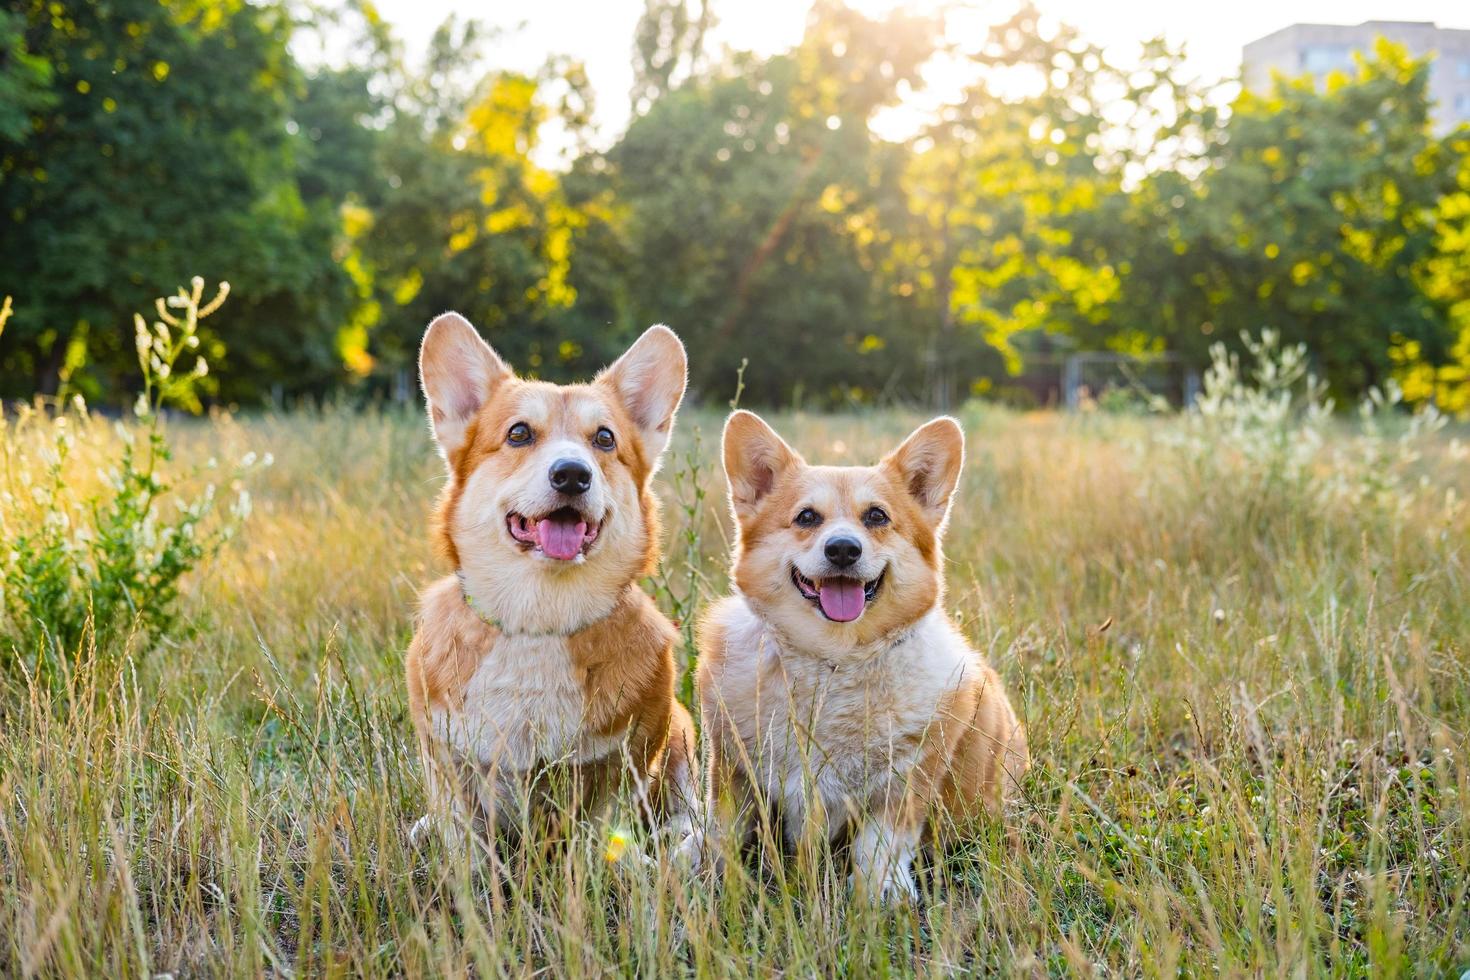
(832, 685)
(540, 657)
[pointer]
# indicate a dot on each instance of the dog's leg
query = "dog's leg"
(884, 848)
(678, 802)
(448, 817)
(727, 813)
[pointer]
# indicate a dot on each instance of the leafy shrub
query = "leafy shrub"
(1263, 431)
(1130, 399)
(106, 563)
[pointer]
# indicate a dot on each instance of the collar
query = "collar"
(490, 620)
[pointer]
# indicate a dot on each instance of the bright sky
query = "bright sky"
(600, 32)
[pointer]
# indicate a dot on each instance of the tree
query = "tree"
(464, 218)
(1014, 199)
(1062, 202)
(1317, 216)
(668, 42)
(1445, 279)
(164, 154)
(751, 199)
(24, 79)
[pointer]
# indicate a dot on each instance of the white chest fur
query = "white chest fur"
(523, 708)
(836, 733)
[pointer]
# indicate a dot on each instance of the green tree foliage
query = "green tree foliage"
(1317, 216)
(1012, 199)
(451, 211)
(164, 150)
(1062, 201)
(1116, 208)
(1445, 279)
(753, 199)
(24, 79)
(993, 191)
(668, 42)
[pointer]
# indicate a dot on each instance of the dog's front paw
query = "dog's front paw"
(893, 887)
(429, 826)
(688, 854)
(419, 833)
(899, 889)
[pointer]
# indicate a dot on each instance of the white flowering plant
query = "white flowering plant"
(1265, 433)
(108, 563)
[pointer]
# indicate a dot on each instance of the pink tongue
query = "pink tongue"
(841, 598)
(562, 538)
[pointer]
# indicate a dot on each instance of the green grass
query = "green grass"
(1248, 710)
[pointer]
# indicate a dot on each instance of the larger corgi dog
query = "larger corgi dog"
(540, 656)
(832, 685)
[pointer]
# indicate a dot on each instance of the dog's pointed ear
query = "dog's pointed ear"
(649, 379)
(458, 371)
(755, 459)
(928, 465)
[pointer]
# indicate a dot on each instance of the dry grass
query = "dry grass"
(1248, 710)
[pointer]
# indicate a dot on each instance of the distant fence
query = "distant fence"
(1059, 380)
(1096, 372)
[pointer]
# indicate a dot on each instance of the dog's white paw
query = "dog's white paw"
(899, 889)
(419, 833)
(429, 826)
(688, 854)
(892, 888)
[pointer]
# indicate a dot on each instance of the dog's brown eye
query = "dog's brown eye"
(604, 439)
(519, 434)
(875, 517)
(808, 518)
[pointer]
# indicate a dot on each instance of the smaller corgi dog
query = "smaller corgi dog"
(540, 661)
(832, 686)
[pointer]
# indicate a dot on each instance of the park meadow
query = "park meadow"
(1237, 636)
(1228, 588)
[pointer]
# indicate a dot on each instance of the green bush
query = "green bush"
(1264, 434)
(100, 555)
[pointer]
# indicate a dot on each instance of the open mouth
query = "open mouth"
(840, 599)
(562, 534)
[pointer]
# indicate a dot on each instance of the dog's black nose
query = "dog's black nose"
(843, 551)
(570, 476)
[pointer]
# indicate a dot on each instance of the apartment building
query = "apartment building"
(1319, 49)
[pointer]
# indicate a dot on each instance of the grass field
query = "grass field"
(1244, 665)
